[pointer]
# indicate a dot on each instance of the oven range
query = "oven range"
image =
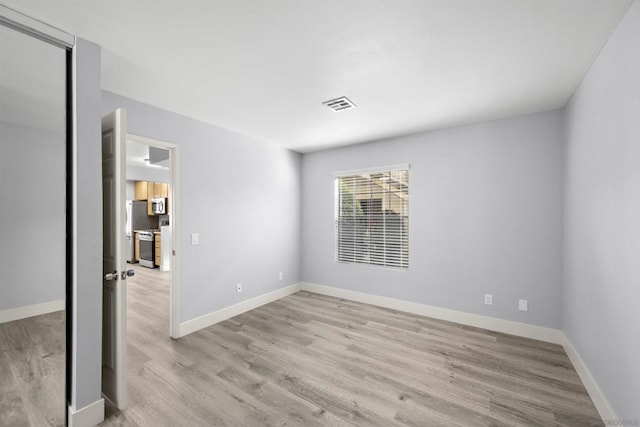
(147, 248)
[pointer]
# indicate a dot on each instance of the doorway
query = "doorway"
(152, 165)
(118, 338)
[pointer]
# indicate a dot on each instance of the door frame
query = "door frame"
(21, 22)
(174, 208)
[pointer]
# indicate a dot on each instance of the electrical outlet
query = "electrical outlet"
(523, 305)
(239, 288)
(488, 299)
(195, 239)
(280, 276)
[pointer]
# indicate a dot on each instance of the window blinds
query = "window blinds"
(372, 216)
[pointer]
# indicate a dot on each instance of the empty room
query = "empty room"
(369, 213)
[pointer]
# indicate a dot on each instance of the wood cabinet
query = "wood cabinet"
(151, 190)
(147, 190)
(136, 247)
(157, 238)
(156, 190)
(160, 189)
(149, 202)
(141, 190)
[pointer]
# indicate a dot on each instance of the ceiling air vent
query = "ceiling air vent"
(339, 104)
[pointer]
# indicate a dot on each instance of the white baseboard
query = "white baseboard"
(190, 326)
(514, 328)
(31, 310)
(541, 333)
(89, 416)
(500, 325)
(597, 396)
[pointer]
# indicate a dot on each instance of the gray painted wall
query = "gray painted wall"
(485, 217)
(602, 224)
(32, 217)
(241, 195)
(87, 298)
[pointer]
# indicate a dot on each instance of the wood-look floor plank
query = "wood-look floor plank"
(12, 409)
(311, 359)
(32, 371)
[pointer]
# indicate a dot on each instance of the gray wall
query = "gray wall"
(602, 224)
(87, 280)
(241, 195)
(485, 217)
(32, 215)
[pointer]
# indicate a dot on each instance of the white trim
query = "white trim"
(400, 166)
(500, 325)
(25, 311)
(174, 209)
(190, 326)
(33, 27)
(88, 416)
(597, 396)
(174, 289)
(74, 227)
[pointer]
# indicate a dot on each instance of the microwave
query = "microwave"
(159, 206)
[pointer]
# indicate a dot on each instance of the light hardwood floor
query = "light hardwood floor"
(32, 371)
(315, 360)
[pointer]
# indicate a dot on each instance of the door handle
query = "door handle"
(111, 276)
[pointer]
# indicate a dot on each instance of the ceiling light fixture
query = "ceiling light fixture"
(339, 104)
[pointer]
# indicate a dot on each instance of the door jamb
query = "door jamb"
(174, 208)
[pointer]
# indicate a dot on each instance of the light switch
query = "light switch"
(523, 305)
(195, 239)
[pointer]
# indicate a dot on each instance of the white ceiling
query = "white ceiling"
(138, 156)
(136, 153)
(263, 68)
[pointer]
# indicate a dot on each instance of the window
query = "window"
(372, 216)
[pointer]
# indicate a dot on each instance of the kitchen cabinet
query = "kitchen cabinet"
(157, 238)
(136, 247)
(160, 189)
(164, 248)
(141, 190)
(149, 206)
(154, 190)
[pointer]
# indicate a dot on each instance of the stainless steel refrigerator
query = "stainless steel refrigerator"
(137, 219)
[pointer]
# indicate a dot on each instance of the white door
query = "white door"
(114, 294)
